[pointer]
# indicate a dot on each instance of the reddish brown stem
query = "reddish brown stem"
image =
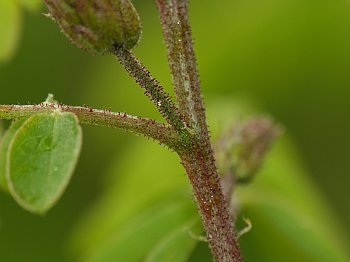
(165, 134)
(217, 220)
(200, 163)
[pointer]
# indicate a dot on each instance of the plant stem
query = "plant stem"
(182, 62)
(200, 163)
(217, 220)
(151, 86)
(144, 126)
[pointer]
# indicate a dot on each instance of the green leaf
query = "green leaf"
(41, 159)
(165, 230)
(2, 131)
(291, 219)
(178, 244)
(286, 209)
(4, 145)
(10, 27)
(139, 206)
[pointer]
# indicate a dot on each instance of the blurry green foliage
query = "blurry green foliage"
(2, 131)
(31, 5)
(10, 24)
(291, 58)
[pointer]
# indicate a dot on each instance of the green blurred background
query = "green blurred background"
(289, 59)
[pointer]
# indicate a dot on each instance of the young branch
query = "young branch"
(151, 86)
(143, 126)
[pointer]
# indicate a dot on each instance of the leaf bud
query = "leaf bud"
(97, 26)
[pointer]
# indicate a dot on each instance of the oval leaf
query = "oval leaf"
(4, 145)
(41, 159)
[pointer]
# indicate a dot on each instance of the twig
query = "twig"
(151, 86)
(144, 126)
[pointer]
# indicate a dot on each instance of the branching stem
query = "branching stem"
(143, 126)
(151, 86)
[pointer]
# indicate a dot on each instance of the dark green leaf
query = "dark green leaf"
(41, 159)
(139, 207)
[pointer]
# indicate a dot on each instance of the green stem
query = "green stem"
(182, 62)
(165, 134)
(152, 88)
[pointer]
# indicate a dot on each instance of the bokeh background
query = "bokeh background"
(289, 59)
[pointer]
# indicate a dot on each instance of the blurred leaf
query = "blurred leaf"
(2, 131)
(291, 220)
(31, 5)
(10, 27)
(178, 244)
(4, 146)
(138, 184)
(143, 237)
(41, 159)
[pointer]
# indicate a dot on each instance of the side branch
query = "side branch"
(151, 86)
(182, 62)
(143, 126)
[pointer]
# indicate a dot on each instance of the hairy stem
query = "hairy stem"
(200, 164)
(213, 208)
(144, 126)
(182, 62)
(151, 86)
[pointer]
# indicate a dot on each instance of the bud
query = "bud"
(242, 150)
(97, 25)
